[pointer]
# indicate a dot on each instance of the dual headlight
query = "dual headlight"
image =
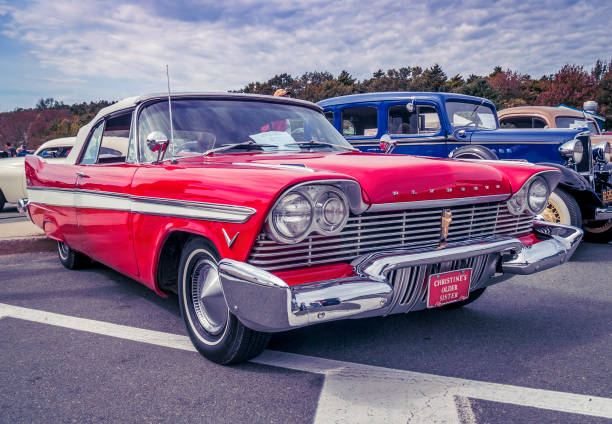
(572, 149)
(601, 152)
(531, 198)
(309, 208)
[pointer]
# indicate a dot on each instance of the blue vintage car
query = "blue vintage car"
(467, 127)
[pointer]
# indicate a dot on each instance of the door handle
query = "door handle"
(82, 175)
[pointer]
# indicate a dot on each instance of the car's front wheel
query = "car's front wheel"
(562, 208)
(215, 332)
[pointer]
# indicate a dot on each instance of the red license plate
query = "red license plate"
(448, 287)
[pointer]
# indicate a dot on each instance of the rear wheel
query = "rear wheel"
(71, 259)
(562, 208)
(473, 296)
(599, 231)
(215, 332)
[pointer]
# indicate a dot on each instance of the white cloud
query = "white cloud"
(225, 46)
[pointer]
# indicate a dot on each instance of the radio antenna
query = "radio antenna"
(170, 107)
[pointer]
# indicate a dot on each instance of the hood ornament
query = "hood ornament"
(447, 218)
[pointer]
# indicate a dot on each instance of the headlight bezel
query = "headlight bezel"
(573, 150)
(601, 152)
(520, 202)
(319, 196)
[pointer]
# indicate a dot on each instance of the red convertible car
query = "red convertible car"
(262, 218)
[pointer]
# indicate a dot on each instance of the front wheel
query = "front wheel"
(215, 332)
(562, 208)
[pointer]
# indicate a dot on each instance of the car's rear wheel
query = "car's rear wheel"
(473, 296)
(562, 208)
(215, 332)
(71, 259)
(599, 231)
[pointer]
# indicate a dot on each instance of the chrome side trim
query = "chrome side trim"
(103, 200)
(280, 166)
(424, 204)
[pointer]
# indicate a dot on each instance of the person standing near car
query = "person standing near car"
(11, 150)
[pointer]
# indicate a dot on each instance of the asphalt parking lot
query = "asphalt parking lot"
(94, 346)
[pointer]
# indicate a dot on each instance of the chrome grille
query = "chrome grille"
(410, 284)
(376, 231)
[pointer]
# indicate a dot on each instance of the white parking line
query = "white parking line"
(360, 393)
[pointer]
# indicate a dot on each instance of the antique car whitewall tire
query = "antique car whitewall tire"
(473, 296)
(215, 332)
(562, 208)
(473, 152)
(71, 259)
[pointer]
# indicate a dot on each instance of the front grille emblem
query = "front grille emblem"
(447, 218)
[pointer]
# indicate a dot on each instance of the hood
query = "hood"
(400, 178)
(558, 135)
(12, 162)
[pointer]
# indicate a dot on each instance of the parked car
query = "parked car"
(523, 117)
(12, 174)
(466, 127)
(262, 218)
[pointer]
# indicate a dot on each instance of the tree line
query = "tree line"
(571, 85)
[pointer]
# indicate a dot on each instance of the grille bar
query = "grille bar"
(376, 231)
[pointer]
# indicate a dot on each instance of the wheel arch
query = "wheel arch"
(578, 187)
(169, 257)
(473, 151)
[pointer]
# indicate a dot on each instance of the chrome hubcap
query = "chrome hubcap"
(207, 296)
(64, 250)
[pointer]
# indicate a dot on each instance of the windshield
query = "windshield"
(204, 124)
(573, 122)
(473, 115)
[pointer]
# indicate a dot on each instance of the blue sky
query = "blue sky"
(84, 50)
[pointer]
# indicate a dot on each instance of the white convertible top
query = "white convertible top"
(132, 102)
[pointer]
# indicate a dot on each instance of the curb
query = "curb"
(33, 244)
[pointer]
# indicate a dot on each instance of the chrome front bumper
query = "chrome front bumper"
(264, 302)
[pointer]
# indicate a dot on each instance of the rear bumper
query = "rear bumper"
(264, 302)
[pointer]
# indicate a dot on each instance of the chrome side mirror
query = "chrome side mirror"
(158, 142)
(387, 144)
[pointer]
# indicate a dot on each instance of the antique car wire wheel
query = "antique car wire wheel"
(207, 296)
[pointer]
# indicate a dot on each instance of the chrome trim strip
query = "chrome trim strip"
(103, 200)
(280, 166)
(425, 204)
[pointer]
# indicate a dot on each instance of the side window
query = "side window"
(91, 153)
(425, 120)
(429, 120)
(518, 122)
(539, 123)
(401, 121)
(360, 121)
(115, 139)
(329, 115)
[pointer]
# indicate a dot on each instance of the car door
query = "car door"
(417, 128)
(103, 201)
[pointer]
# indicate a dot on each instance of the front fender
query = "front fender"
(570, 178)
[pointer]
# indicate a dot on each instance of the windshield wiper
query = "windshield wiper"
(244, 144)
(322, 143)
